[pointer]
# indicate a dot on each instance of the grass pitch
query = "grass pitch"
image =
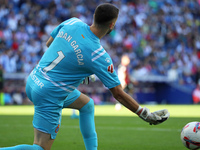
(116, 130)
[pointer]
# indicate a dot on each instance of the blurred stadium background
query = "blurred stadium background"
(161, 38)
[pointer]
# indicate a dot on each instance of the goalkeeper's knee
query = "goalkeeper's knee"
(88, 108)
(87, 125)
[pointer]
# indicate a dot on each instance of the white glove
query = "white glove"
(154, 118)
(87, 79)
(92, 77)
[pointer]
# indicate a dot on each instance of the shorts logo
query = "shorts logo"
(57, 129)
(110, 68)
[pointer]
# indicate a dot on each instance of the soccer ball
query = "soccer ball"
(190, 135)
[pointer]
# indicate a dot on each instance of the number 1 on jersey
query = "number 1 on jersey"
(55, 62)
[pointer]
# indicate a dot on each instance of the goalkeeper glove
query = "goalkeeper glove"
(154, 118)
(87, 79)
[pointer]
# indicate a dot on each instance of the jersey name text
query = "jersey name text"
(74, 45)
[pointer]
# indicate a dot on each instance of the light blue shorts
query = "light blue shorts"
(48, 110)
(71, 98)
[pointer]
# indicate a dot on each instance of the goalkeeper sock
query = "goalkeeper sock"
(23, 147)
(87, 126)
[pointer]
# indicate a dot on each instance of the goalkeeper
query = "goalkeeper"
(75, 53)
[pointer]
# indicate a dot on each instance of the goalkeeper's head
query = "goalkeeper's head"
(105, 16)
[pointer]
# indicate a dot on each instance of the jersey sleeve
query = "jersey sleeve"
(57, 29)
(104, 70)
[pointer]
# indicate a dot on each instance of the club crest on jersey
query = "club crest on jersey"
(110, 68)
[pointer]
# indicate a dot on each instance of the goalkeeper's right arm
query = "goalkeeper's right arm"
(144, 113)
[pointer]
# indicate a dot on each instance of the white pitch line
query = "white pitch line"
(129, 128)
(111, 128)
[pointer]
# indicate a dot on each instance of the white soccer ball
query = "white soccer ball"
(190, 135)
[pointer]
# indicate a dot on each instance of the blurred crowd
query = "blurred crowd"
(161, 37)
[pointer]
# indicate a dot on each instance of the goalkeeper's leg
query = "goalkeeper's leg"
(87, 126)
(23, 147)
(85, 105)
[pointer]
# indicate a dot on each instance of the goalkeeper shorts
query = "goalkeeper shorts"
(48, 109)
(71, 98)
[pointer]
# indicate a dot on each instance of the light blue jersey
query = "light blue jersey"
(74, 54)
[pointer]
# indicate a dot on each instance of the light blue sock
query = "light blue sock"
(87, 125)
(23, 147)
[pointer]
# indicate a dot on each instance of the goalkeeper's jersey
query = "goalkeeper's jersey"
(74, 54)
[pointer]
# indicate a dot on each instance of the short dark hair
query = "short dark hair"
(104, 13)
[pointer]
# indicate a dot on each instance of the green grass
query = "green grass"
(117, 130)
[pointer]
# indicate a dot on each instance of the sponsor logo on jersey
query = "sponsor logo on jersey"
(110, 68)
(35, 79)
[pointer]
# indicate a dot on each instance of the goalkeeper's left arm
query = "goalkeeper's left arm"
(49, 41)
(155, 118)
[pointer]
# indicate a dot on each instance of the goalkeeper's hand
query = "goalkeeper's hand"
(87, 79)
(154, 118)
